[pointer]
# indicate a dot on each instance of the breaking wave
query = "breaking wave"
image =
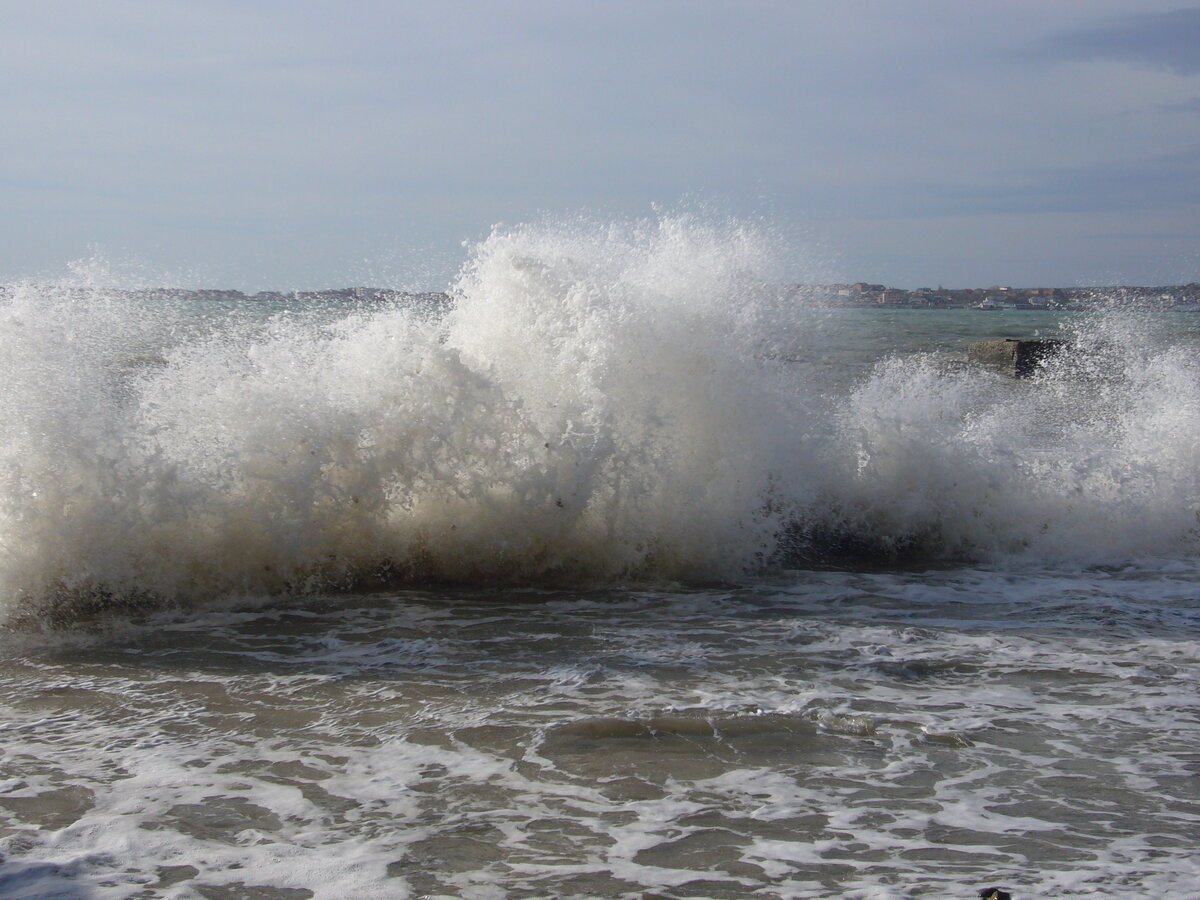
(594, 402)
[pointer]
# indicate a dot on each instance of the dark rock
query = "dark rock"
(803, 545)
(1019, 359)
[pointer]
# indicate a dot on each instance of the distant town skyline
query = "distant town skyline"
(312, 145)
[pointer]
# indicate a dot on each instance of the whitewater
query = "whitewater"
(622, 572)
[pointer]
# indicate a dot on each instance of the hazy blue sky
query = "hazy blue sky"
(266, 143)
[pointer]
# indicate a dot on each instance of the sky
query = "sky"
(265, 144)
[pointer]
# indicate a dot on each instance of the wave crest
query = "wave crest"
(597, 401)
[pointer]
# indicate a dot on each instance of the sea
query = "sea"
(620, 573)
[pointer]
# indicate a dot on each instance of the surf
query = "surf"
(597, 402)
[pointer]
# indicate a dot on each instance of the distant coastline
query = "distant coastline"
(861, 294)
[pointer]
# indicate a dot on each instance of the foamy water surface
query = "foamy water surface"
(625, 573)
(826, 734)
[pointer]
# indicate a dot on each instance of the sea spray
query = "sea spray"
(595, 402)
(1093, 460)
(593, 406)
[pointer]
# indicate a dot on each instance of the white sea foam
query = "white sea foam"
(591, 406)
(599, 402)
(1096, 458)
(440, 745)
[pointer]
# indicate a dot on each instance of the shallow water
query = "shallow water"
(816, 734)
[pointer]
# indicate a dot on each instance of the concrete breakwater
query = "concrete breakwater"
(1018, 358)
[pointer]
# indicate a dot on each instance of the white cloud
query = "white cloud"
(285, 138)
